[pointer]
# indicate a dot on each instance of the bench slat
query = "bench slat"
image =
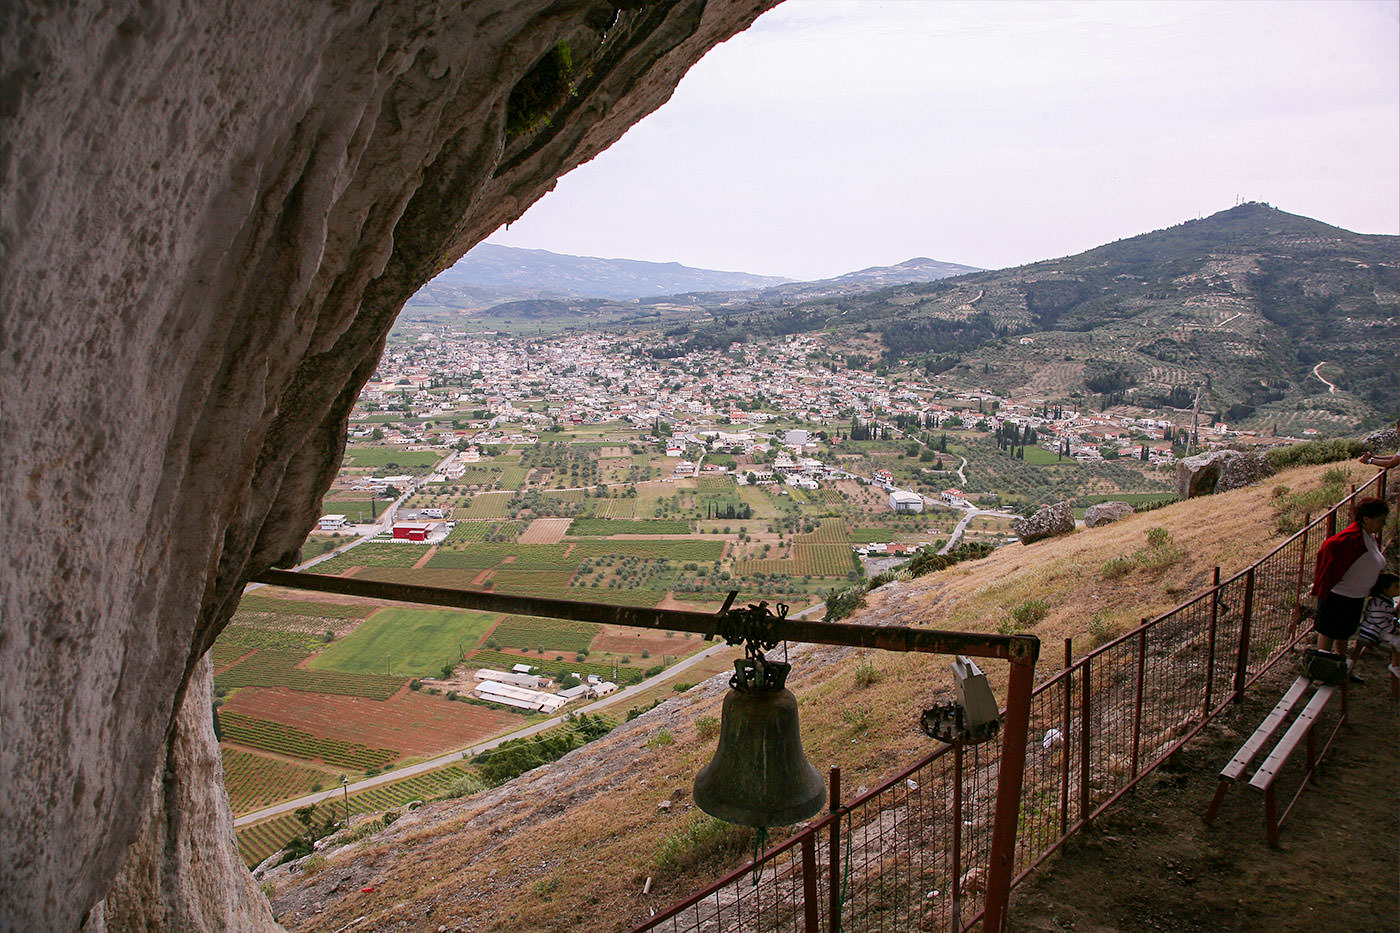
(1266, 729)
(1265, 775)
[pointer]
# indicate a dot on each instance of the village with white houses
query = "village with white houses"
(600, 378)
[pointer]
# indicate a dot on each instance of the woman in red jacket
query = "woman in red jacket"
(1347, 567)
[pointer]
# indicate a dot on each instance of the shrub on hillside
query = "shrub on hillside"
(1314, 452)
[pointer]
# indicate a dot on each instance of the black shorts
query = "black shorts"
(1338, 617)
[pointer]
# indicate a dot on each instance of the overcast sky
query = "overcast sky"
(833, 136)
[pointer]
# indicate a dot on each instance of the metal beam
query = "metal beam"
(1022, 648)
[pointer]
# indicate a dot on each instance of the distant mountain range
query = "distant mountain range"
(492, 275)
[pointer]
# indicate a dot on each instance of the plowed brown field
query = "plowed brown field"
(415, 724)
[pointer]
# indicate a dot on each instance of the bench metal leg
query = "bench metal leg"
(1214, 807)
(1271, 817)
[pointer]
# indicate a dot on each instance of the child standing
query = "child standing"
(1379, 625)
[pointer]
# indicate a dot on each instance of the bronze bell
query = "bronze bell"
(759, 776)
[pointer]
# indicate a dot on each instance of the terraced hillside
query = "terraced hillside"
(1276, 317)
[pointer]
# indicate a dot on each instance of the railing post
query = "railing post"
(1210, 642)
(1064, 736)
(809, 882)
(834, 852)
(1010, 776)
(1242, 662)
(1302, 585)
(957, 836)
(1085, 739)
(1137, 701)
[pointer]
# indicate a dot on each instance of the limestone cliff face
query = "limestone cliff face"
(211, 214)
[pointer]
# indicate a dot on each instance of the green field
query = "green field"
(378, 458)
(603, 527)
(408, 642)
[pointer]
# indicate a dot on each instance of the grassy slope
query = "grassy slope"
(573, 843)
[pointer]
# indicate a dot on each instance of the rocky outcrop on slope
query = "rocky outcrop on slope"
(211, 215)
(1104, 513)
(1219, 471)
(1057, 519)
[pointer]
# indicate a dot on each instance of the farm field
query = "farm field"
(414, 723)
(255, 780)
(391, 458)
(258, 841)
(270, 735)
(406, 642)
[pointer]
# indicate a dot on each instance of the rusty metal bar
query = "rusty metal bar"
(957, 836)
(1137, 701)
(1065, 733)
(1085, 739)
(1010, 777)
(1210, 642)
(887, 638)
(834, 851)
(1247, 613)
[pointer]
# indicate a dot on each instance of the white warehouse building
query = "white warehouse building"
(902, 500)
(519, 697)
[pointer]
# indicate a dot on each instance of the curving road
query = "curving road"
(1331, 389)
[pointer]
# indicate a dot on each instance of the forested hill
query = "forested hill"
(1245, 303)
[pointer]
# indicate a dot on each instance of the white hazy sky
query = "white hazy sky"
(832, 136)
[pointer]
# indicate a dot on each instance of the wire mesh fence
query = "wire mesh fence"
(914, 853)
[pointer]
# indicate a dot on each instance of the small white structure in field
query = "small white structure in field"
(332, 522)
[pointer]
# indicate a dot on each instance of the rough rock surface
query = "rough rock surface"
(210, 215)
(211, 890)
(1386, 441)
(1103, 513)
(1057, 519)
(1219, 471)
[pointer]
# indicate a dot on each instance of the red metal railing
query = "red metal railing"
(913, 854)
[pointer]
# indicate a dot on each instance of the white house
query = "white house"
(333, 522)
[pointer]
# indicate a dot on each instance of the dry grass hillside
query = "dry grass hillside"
(571, 845)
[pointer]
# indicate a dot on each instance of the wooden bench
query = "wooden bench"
(1301, 731)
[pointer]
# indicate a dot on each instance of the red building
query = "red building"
(411, 531)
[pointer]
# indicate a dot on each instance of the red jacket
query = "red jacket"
(1335, 558)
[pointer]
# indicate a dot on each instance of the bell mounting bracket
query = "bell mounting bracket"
(756, 628)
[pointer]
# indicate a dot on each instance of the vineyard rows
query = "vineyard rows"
(303, 607)
(257, 842)
(374, 555)
(246, 637)
(282, 739)
(602, 527)
(256, 781)
(273, 668)
(485, 505)
(507, 579)
(554, 634)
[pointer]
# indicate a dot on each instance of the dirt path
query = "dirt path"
(1150, 863)
(423, 561)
